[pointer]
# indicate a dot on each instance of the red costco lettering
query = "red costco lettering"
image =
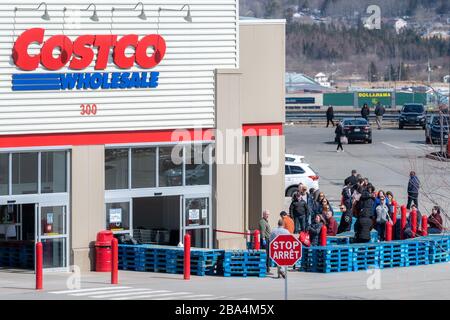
(80, 52)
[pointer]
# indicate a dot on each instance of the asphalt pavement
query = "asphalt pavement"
(386, 162)
(419, 282)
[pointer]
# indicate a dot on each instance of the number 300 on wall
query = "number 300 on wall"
(88, 109)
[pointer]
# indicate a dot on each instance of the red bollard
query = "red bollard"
(403, 221)
(114, 261)
(424, 225)
(323, 236)
(388, 236)
(413, 218)
(39, 265)
(394, 212)
(187, 256)
(256, 242)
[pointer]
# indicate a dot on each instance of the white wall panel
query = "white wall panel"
(184, 97)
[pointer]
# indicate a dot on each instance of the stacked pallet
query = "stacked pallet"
(439, 248)
(17, 255)
(364, 256)
(327, 259)
(393, 254)
(243, 263)
(167, 259)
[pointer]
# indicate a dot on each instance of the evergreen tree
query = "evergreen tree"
(272, 8)
(372, 72)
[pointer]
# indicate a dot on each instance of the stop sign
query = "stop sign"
(285, 250)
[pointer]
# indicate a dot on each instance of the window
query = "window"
(4, 173)
(196, 212)
(413, 108)
(170, 166)
(296, 170)
(286, 170)
(25, 173)
(53, 172)
(143, 168)
(197, 164)
(118, 216)
(116, 169)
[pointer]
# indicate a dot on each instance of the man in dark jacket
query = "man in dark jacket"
(299, 211)
(363, 225)
(346, 220)
(351, 179)
(379, 112)
(413, 190)
(330, 116)
(366, 203)
(365, 111)
(347, 196)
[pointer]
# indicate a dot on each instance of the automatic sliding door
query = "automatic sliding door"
(197, 221)
(52, 232)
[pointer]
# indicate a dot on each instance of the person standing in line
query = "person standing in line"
(382, 216)
(288, 223)
(330, 222)
(299, 211)
(314, 230)
(379, 112)
(346, 219)
(413, 190)
(365, 112)
(435, 221)
(276, 232)
(340, 134)
(352, 179)
(264, 232)
(330, 116)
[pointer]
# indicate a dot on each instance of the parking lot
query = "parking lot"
(386, 162)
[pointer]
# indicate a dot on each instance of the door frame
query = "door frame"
(66, 235)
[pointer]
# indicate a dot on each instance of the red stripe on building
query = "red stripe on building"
(99, 138)
(262, 129)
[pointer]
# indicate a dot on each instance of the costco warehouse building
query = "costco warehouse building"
(93, 97)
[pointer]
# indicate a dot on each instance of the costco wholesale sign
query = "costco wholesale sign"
(120, 73)
(79, 55)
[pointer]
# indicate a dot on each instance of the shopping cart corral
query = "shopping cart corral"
(152, 236)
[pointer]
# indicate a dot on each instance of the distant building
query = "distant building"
(297, 82)
(399, 25)
(322, 79)
(447, 78)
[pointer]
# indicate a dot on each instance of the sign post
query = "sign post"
(285, 250)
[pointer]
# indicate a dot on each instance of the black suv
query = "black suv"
(414, 115)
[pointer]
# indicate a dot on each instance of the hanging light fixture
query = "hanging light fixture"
(94, 16)
(45, 15)
(141, 15)
(187, 18)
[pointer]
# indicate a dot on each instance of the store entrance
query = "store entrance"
(156, 220)
(21, 225)
(17, 235)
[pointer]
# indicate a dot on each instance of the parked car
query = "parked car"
(412, 115)
(433, 129)
(293, 158)
(296, 172)
(357, 129)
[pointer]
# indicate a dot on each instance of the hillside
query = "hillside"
(329, 36)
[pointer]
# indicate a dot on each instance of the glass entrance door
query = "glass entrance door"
(196, 220)
(52, 231)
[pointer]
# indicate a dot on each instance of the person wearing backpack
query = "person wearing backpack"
(382, 216)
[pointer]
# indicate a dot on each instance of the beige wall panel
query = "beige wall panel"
(262, 63)
(88, 208)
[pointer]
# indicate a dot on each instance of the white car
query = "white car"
(296, 173)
